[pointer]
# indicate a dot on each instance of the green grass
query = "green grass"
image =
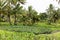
(8, 35)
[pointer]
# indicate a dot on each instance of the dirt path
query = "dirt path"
(56, 31)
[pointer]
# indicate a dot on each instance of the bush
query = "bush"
(45, 30)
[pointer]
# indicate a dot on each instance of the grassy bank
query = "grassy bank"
(8, 35)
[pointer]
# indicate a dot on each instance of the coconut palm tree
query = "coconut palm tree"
(15, 3)
(16, 11)
(5, 7)
(55, 16)
(2, 8)
(50, 13)
(32, 15)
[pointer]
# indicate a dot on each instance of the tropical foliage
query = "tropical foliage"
(28, 24)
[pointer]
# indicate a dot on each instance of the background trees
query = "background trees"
(12, 11)
(50, 13)
(43, 16)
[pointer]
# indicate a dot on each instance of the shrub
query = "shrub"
(45, 30)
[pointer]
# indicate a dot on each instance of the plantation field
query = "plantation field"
(41, 28)
(29, 29)
(41, 31)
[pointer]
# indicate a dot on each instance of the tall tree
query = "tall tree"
(16, 11)
(50, 13)
(32, 14)
(55, 16)
(2, 8)
(16, 3)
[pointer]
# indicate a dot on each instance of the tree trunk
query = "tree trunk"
(9, 18)
(0, 17)
(15, 19)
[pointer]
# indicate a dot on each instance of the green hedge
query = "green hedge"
(35, 30)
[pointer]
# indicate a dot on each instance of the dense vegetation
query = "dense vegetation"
(13, 13)
(17, 23)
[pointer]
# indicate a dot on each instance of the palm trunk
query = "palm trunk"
(9, 18)
(0, 17)
(15, 19)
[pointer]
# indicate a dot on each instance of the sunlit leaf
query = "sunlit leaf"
(14, 1)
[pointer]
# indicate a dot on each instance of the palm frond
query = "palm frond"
(3, 3)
